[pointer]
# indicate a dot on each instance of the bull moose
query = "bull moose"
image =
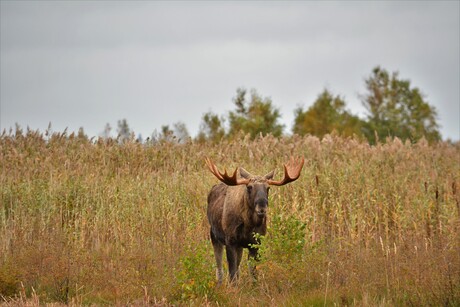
(237, 210)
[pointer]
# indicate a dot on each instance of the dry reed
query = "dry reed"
(85, 222)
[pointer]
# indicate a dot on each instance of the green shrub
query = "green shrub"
(195, 275)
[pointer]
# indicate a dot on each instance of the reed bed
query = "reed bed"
(87, 222)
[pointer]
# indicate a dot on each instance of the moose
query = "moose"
(237, 211)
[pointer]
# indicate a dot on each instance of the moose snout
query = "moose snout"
(261, 207)
(261, 211)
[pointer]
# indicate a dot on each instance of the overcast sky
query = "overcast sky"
(87, 63)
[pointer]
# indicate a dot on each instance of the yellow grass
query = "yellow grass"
(85, 222)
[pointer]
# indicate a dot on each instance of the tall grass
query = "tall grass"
(85, 222)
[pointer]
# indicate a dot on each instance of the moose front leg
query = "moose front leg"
(234, 254)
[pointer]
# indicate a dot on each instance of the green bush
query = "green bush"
(195, 275)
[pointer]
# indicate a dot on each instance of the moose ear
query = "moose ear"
(245, 174)
(270, 175)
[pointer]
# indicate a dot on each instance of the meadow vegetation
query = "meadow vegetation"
(99, 222)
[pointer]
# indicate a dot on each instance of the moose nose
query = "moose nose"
(261, 207)
(261, 211)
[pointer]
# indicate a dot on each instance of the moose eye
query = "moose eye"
(249, 188)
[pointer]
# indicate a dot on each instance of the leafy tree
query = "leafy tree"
(166, 135)
(123, 130)
(106, 133)
(397, 109)
(81, 134)
(327, 114)
(256, 116)
(180, 132)
(211, 128)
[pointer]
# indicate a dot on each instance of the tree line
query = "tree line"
(394, 108)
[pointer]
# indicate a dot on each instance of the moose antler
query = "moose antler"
(291, 172)
(224, 177)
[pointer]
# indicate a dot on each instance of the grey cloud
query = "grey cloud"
(159, 62)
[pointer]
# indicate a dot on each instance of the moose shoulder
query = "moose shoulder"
(237, 210)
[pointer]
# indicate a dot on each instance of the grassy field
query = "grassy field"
(101, 223)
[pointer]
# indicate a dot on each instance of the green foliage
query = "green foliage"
(194, 277)
(255, 117)
(212, 128)
(178, 134)
(396, 109)
(326, 115)
(284, 243)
